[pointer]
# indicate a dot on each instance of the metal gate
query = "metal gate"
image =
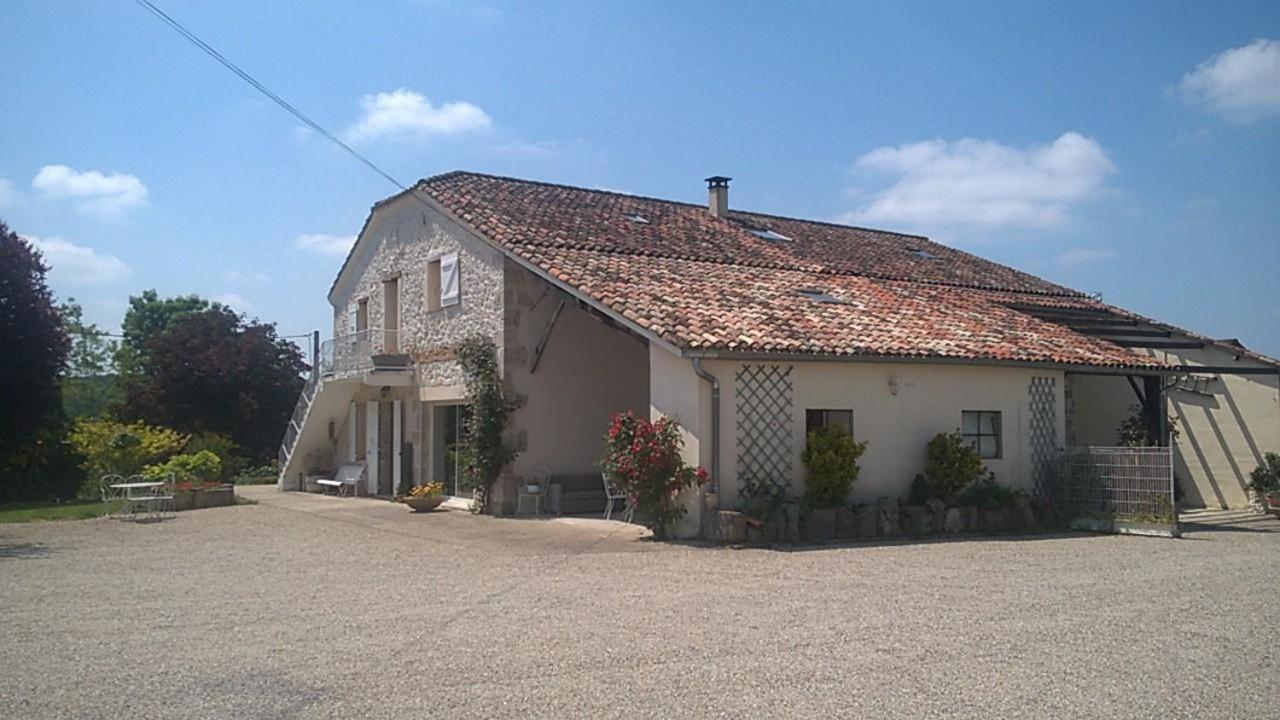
(1123, 489)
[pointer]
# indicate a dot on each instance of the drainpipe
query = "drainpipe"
(715, 422)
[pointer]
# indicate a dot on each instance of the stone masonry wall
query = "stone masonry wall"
(403, 241)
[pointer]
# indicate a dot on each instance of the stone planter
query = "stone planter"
(199, 498)
(215, 497)
(820, 524)
(423, 504)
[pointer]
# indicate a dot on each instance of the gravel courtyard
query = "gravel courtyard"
(303, 606)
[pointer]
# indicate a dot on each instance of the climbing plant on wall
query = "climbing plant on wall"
(482, 454)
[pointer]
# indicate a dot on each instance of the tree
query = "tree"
(211, 370)
(149, 315)
(89, 385)
(35, 459)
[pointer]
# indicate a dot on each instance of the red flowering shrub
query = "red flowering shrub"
(643, 460)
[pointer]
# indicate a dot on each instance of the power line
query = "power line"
(211, 52)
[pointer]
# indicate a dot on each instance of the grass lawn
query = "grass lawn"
(73, 510)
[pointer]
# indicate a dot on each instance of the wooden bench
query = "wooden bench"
(580, 494)
(345, 481)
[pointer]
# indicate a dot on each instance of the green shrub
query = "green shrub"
(1266, 477)
(764, 500)
(202, 466)
(111, 447)
(260, 475)
(951, 465)
(986, 493)
(919, 493)
(831, 455)
(231, 455)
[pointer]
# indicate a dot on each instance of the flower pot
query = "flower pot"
(423, 504)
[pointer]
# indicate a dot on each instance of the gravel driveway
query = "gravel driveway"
(316, 607)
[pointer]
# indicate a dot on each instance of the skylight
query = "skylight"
(769, 235)
(820, 296)
(637, 218)
(923, 254)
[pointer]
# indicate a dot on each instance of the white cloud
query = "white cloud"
(325, 244)
(981, 183)
(71, 264)
(6, 192)
(405, 113)
(234, 301)
(104, 194)
(1241, 84)
(1075, 257)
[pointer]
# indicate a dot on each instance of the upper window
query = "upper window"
(981, 429)
(450, 280)
(814, 419)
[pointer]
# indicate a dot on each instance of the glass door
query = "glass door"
(447, 440)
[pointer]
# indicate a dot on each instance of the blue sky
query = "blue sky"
(1130, 150)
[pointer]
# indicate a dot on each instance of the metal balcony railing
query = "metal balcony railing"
(354, 353)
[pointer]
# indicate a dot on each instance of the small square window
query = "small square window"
(814, 419)
(981, 429)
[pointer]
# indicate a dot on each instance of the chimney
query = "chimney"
(718, 195)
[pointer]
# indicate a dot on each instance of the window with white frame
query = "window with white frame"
(450, 280)
(981, 429)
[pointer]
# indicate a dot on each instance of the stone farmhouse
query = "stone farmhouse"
(751, 330)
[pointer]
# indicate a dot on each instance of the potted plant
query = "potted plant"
(1264, 481)
(423, 498)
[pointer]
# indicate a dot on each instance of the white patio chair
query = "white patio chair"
(612, 493)
(111, 497)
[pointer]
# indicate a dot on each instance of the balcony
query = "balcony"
(364, 353)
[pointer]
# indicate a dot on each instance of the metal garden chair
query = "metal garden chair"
(613, 493)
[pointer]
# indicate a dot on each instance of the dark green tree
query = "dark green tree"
(149, 315)
(211, 370)
(35, 459)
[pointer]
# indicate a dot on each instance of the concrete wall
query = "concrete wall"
(676, 392)
(587, 372)
(1225, 424)
(897, 408)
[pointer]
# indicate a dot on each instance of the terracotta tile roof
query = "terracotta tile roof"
(705, 283)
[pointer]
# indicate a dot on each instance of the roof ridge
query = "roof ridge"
(791, 268)
(651, 198)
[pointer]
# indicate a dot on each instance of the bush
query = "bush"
(111, 447)
(986, 493)
(919, 493)
(831, 455)
(643, 460)
(231, 455)
(764, 500)
(203, 466)
(483, 454)
(951, 465)
(1265, 478)
(260, 475)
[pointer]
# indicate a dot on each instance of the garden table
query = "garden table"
(129, 489)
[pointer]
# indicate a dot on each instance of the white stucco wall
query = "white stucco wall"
(676, 392)
(1224, 426)
(587, 372)
(897, 408)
